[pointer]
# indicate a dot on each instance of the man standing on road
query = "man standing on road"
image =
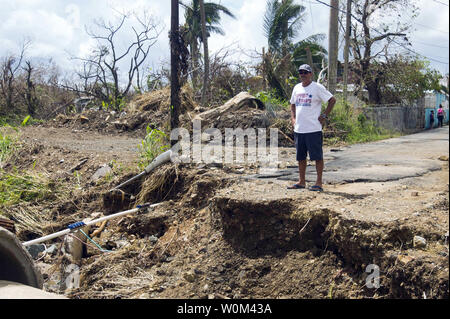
(307, 119)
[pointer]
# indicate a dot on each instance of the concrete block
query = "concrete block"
(16, 264)
(14, 290)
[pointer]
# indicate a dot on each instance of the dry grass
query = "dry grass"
(160, 99)
(159, 184)
(23, 196)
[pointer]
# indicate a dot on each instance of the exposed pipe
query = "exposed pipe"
(75, 226)
(16, 264)
(158, 161)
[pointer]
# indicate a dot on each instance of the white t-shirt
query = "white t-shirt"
(308, 105)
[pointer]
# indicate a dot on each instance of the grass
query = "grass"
(7, 147)
(271, 102)
(19, 188)
(155, 142)
(352, 127)
(16, 120)
(21, 196)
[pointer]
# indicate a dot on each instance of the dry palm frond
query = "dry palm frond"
(158, 185)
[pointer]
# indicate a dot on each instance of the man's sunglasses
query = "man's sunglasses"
(303, 72)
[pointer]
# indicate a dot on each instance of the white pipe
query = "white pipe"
(159, 160)
(92, 222)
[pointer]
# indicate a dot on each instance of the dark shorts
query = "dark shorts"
(310, 143)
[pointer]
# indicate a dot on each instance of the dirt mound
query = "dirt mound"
(110, 122)
(205, 243)
(152, 109)
(149, 109)
(160, 100)
(220, 234)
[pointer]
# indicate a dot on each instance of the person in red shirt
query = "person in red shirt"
(440, 115)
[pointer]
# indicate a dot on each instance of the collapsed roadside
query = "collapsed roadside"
(220, 235)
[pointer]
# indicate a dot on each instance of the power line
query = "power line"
(441, 3)
(399, 44)
(432, 45)
(428, 27)
(424, 56)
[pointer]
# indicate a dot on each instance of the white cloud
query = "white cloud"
(41, 25)
(57, 26)
(431, 35)
(245, 31)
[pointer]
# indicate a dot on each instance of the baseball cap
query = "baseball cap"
(305, 67)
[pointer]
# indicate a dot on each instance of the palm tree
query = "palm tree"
(318, 52)
(282, 23)
(193, 27)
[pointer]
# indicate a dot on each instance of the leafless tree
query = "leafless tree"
(229, 74)
(377, 33)
(100, 73)
(9, 69)
(29, 94)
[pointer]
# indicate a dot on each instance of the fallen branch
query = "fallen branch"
(79, 165)
(100, 229)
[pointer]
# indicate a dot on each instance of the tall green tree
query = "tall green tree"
(193, 27)
(405, 78)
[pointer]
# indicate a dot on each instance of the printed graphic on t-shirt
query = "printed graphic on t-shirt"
(304, 99)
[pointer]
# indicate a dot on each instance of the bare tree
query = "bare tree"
(100, 74)
(30, 97)
(374, 38)
(8, 72)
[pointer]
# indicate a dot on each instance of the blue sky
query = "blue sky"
(56, 27)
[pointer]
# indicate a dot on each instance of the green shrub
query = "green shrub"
(271, 101)
(7, 146)
(154, 143)
(15, 188)
(354, 127)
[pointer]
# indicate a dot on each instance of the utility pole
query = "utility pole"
(346, 48)
(205, 50)
(174, 67)
(310, 60)
(333, 38)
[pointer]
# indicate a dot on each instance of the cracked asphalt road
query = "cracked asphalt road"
(388, 160)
